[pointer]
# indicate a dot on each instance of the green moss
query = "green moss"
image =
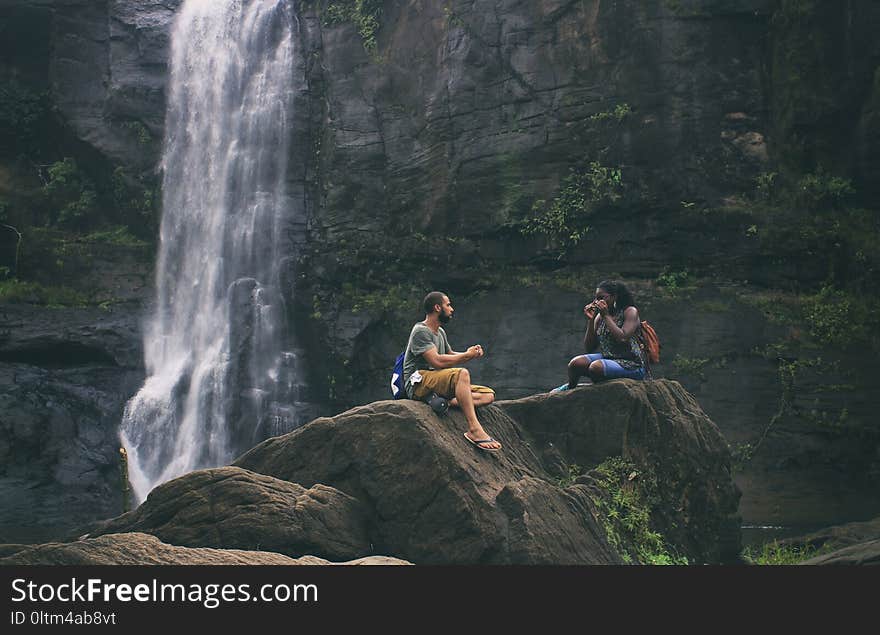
(690, 365)
(140, 132)
(712, 306)
(71, 194)
(626, 498)
(364, 14)
(19, 292)
(114, 236)
(394, 300)
(618, 114)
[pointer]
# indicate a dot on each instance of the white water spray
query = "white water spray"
(213, 348)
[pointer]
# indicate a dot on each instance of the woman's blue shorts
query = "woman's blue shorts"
(613, 370)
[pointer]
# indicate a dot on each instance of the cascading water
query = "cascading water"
(213, 348)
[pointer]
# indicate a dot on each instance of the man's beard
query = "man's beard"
(444, 318)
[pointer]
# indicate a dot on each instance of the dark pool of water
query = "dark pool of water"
(754, 535)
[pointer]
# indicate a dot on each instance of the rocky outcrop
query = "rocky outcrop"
(434, 498)
(65, 376)
(664, 432)
(863, 553)
(231, 508)
(838, 539)
(393, 478)
(144, 549)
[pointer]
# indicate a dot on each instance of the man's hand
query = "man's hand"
(475, 351)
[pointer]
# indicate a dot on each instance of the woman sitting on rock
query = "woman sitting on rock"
(612, 332)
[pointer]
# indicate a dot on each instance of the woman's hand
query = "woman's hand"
(602, 307)
(590, 311)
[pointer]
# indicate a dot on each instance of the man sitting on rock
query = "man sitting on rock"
(429, 366)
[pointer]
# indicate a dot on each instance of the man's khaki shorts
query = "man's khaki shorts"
(442, 382)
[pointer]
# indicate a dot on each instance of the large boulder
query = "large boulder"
(231, 508)
(141, 549)
(863, 553)
(662, 430)
(855, 543)
(434, 498)
(432, 494)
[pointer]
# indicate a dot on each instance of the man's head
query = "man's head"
(438, 303)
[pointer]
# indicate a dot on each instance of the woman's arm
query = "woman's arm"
(591, 341)
(631, 322)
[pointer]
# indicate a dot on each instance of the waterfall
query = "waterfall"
(213, 345)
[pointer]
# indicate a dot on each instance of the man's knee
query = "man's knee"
(464, 376)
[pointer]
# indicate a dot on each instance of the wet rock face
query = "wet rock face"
(59, 447)
(467, 113)
(65, 376)
(108, 74)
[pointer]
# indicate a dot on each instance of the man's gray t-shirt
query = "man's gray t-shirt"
(421, 339)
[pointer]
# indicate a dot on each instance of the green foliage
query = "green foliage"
(572, 472)
(820, 189)
(452, 18)
(793, 12)
(23, 116)
(16, 291)
(766, 184)
(689, 365)
(564, 220)
(740, 455)
(364, 14)
(395, 299)
(833, 318)
(774, 553)
(120, 235)
(673, 281)
(135, 201)
(625, 505)
(618, 114)
(70, 193)
(140, 131)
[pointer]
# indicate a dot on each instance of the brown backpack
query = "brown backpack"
(650, 343)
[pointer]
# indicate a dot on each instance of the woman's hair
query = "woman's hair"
(623, 296)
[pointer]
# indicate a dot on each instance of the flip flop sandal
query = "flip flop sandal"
(480, 443)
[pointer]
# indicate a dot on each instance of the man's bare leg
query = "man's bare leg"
(480, 399)
(465, 399)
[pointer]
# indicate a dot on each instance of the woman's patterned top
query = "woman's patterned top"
(628, 354)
